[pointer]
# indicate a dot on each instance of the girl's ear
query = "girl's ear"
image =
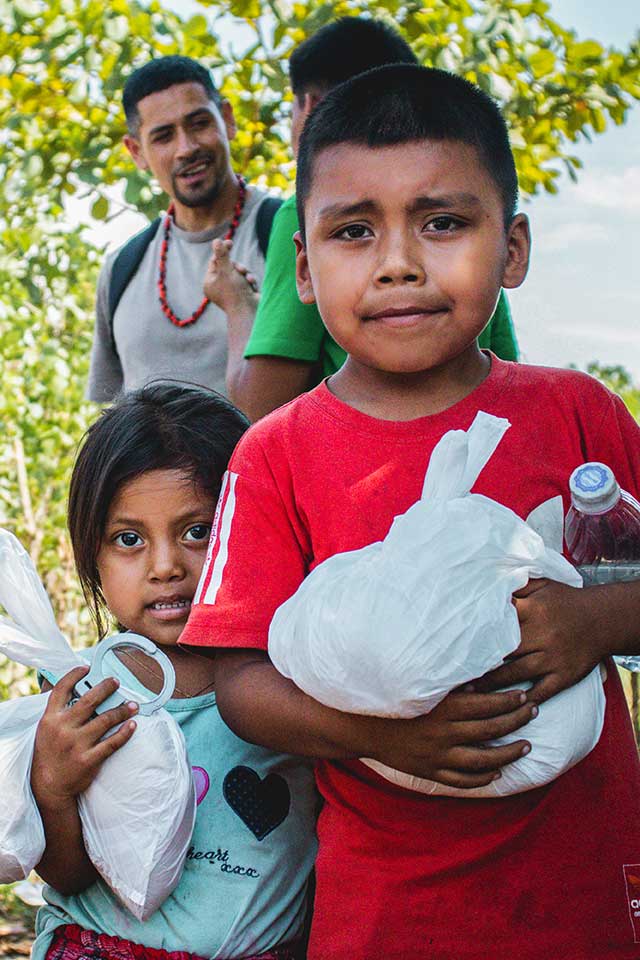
(518, 252)
(303, 276)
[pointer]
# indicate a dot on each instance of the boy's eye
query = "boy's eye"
(443, 224)
(355, 231)
(199, 531)
(128, 539)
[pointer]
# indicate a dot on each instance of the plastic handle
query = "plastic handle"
(95, 675)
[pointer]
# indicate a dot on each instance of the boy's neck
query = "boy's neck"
(399, 397)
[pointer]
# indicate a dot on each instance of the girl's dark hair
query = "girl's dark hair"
(402, 103)
(161, 426)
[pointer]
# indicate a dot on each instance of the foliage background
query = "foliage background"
(62, 67)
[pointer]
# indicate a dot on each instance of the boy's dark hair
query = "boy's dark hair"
(402, 103)
(344, 48)
(158, 74)
(163, 426)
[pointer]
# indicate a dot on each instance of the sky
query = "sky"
(581, 299)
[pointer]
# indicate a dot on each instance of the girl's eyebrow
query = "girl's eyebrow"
(178, 518)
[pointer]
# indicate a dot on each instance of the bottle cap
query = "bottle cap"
(594, 489)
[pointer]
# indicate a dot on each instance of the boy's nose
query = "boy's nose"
(400, 264)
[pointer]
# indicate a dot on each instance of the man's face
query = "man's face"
(183, 139)
(406, 252)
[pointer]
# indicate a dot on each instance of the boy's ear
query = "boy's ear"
(135, 149)
(312, 98)
(303, 276)
(518, 252)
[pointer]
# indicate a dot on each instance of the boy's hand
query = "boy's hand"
(565, 633)
(447, 744)
(68, 749)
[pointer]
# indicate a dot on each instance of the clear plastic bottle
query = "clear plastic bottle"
(602, 531)
(603, 522)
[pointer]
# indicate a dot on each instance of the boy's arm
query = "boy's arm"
(566, 632)
(68, 753)
(277, 359)
(447, 745)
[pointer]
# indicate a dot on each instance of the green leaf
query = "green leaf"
(542, 63)
(100, 208)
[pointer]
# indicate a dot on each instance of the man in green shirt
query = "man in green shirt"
(288, 349)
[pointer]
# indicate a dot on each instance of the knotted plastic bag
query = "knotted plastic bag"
(390, 629)
(138, 814)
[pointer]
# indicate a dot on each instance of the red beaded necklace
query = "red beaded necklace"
(162, 272)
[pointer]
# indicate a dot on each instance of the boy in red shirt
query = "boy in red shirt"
(407, 194)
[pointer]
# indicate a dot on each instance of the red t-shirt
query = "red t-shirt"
(552, 873)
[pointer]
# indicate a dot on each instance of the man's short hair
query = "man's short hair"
(158, 74)
(401, 104)
(344, 48)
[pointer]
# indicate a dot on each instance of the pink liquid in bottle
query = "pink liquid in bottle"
(603, 522)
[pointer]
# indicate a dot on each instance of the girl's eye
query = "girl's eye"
(128, 539)
(355, 231)
(443, 224)
(199, 531)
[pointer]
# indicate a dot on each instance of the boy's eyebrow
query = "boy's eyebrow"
(348, 209)
(444, 200)
(362, 207)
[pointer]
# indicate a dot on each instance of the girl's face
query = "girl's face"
(153, 550)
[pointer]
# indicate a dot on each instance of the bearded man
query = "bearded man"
(151, 319)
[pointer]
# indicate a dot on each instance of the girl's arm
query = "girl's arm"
(68, 752)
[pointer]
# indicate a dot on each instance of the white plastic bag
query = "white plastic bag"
(392, 628)
(22, 839)
(138, 814)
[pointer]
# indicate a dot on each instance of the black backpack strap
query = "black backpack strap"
(125, 266)
(264, 219)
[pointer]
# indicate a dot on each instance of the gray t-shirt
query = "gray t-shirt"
(148, 345)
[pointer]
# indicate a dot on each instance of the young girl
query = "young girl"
(143, 493)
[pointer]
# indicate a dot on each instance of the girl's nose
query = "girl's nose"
(165, 564)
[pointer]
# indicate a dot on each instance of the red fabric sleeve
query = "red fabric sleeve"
(255, 560)
(617, 443)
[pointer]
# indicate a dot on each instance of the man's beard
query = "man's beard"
(204, 195)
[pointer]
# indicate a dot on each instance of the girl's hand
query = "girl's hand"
(565, 633)
(228, 284)
(69, 749)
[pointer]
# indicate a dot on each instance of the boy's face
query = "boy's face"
(406, 252)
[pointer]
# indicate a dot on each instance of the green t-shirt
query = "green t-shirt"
(284, 327)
